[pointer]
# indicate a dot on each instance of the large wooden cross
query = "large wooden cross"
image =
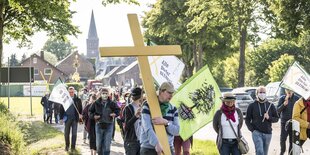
(141, 51)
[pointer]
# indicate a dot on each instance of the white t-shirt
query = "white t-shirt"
(227, 130)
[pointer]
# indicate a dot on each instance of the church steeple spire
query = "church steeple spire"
(92, 32)
(92, 41)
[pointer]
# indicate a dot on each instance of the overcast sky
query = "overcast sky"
(111, 22)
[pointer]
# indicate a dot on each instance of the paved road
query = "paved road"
(117, 147)
(208, 133)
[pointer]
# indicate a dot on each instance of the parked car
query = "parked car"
(250, 90)
(242, 101)
(274, 91)
(225, 89)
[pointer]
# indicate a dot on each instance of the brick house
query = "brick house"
(43, 70)
(85, 68)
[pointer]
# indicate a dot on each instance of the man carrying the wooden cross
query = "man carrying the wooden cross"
(150, 144)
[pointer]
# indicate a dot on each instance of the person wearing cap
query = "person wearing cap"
(132, 114)
(103, 111)
(227, 121)
(285, 110)
(150, 144)
(259, 118)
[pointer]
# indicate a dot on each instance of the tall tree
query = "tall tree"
(292, 16)
(175, 22)
(269, 51)
(50, 57)
(61, 48)
(13, 60)
(241, 12)
(20, 19)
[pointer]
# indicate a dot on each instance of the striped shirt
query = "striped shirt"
(148, 138)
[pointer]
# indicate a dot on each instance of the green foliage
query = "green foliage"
(61, 48)
(22, 18)
(226, 72)
(278, 68)
(10, 133)
(266, 53)
(293, 16)
(77, 86)
(13, 60)
(304, 44)
(106, 2)
(203, 39)
(50, 57)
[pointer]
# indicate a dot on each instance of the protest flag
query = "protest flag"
(197, 100)
(61, 95)
(297, 80)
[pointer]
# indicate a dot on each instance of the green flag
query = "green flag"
(197, 100)
(57, 82)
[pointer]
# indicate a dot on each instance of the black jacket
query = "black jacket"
(255, 114)
(130, 119)
(104, 109)
(286, 111)
(78, 104)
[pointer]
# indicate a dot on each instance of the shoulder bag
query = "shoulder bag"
(242, 143)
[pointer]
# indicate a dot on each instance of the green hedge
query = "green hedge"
(10, 133)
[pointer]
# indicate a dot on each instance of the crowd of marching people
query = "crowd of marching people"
(101, 110)
(260, 115)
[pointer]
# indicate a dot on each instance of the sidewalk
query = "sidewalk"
(117, 147)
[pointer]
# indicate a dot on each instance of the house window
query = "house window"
(47, 71)
(36, 71)
(34, 60)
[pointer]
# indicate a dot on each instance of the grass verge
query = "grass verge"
(11, 137)
(203, 147)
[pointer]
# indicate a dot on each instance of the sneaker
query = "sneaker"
(67, 149)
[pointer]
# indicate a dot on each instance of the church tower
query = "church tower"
(92, 40)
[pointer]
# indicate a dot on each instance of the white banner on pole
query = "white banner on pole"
(61, 95)
(297, 80)
(166, 68)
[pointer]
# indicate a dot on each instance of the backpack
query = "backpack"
(121, 118)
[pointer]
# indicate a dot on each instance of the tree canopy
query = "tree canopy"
(61, 48)
(20, 19)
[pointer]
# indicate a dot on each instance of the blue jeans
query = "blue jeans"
(261, 142)
(229, 147)
(103, 139)
(71, 124)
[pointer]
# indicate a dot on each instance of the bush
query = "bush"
(10, 132)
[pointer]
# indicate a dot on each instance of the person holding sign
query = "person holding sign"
(259, 117)
(73, 115)
(301, 113)
(285, 110)
(150, 144)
